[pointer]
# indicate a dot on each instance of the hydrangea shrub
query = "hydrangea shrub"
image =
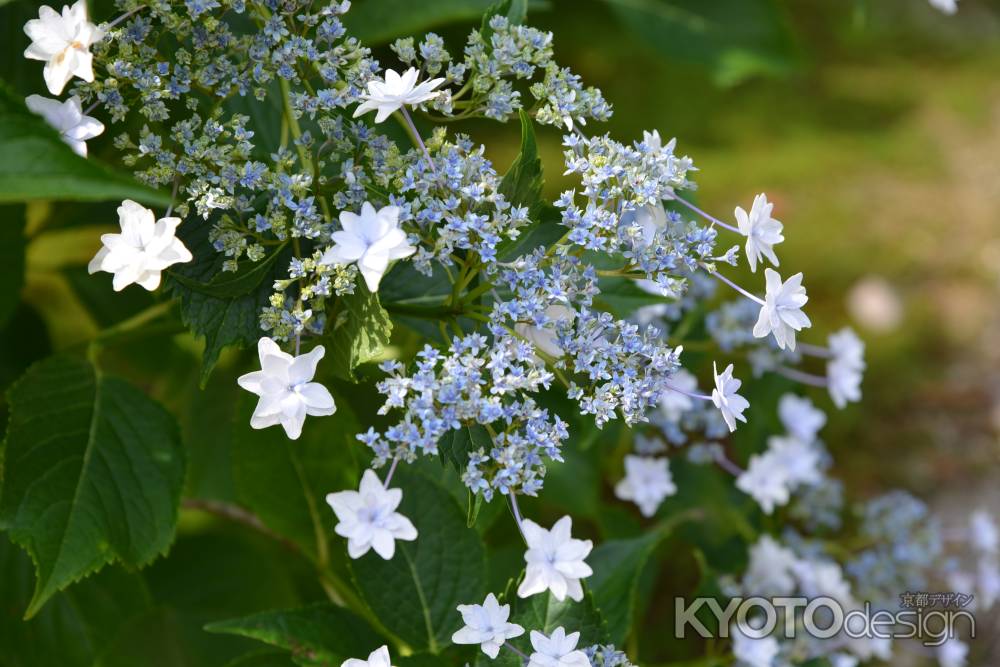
(509, 404)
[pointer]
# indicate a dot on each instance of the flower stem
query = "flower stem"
(392, 470)
(804, 378)
(516, 511)
(416, 136)
(712, 219)
(815, 350)
(736, 287)
(124, 16)
(728, 465)
(703, 397)
(519, 652)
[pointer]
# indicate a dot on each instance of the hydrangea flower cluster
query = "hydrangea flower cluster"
(312, 184)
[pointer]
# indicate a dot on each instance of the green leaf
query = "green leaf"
(456, 445)
(415, 594)
(284, 482)
(223, 308)
(76, 624)
(736, 38)
(380, 21)
(92, 474)
(361, 330)
(12, 244)
(38, 165)
(317, 635)
(543, 232)
(622, 297)
(522, 184)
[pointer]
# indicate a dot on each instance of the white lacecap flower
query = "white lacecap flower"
(781, 314)
(725, 398)
(800, 417)
(751, 650)
(762, 231)
(766, 481)
(368, 518)
(946, 6)
(647, 482)
(843, 382)
(544, 337)
(68, 120)
(371, 239)
(842, 660)
(145, 247)
(818, 578)
(846, 348)
(801, 460)
(770, 572)
(983, 534)
(390, 93)
(952, 653)
(63, 42)
(673, 404)
(557, 650)
(554, 560)
(987, 581)
(287, 392)
(377, 658)
(486, 624)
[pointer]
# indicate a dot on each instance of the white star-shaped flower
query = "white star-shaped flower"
(800, 417)
(368, 518)
(557, 650)
(647, 482)
(67, 119)
(486, 624)
(782, 313)
(762, 231)
(725, 398)
(766, 481)
(801, 460)
(372, 239)
(847, 348)
(949, 7)
(287, 392)
(63, 41)
(145, 247)
(377, 658)
(554, 560)
(770, 572)
(843, 381)
(753, 651)
(544, 337)
(392, 92)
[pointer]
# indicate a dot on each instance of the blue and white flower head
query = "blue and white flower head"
(753, 651)
(800, 460)
(647, 482)
(486, 624)
(395, 90)
(557, 650)
(554, 560)
(762, 231)
(377, 658)
(725, 398)
(368, 518)
(67, 118)
(142, 251)
(371, 240)
(781, 313)
(800, 417)
(63, 42)
(843, 382)
(545, 336)
(287, 392)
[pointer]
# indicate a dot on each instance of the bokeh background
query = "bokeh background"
(874, 126)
